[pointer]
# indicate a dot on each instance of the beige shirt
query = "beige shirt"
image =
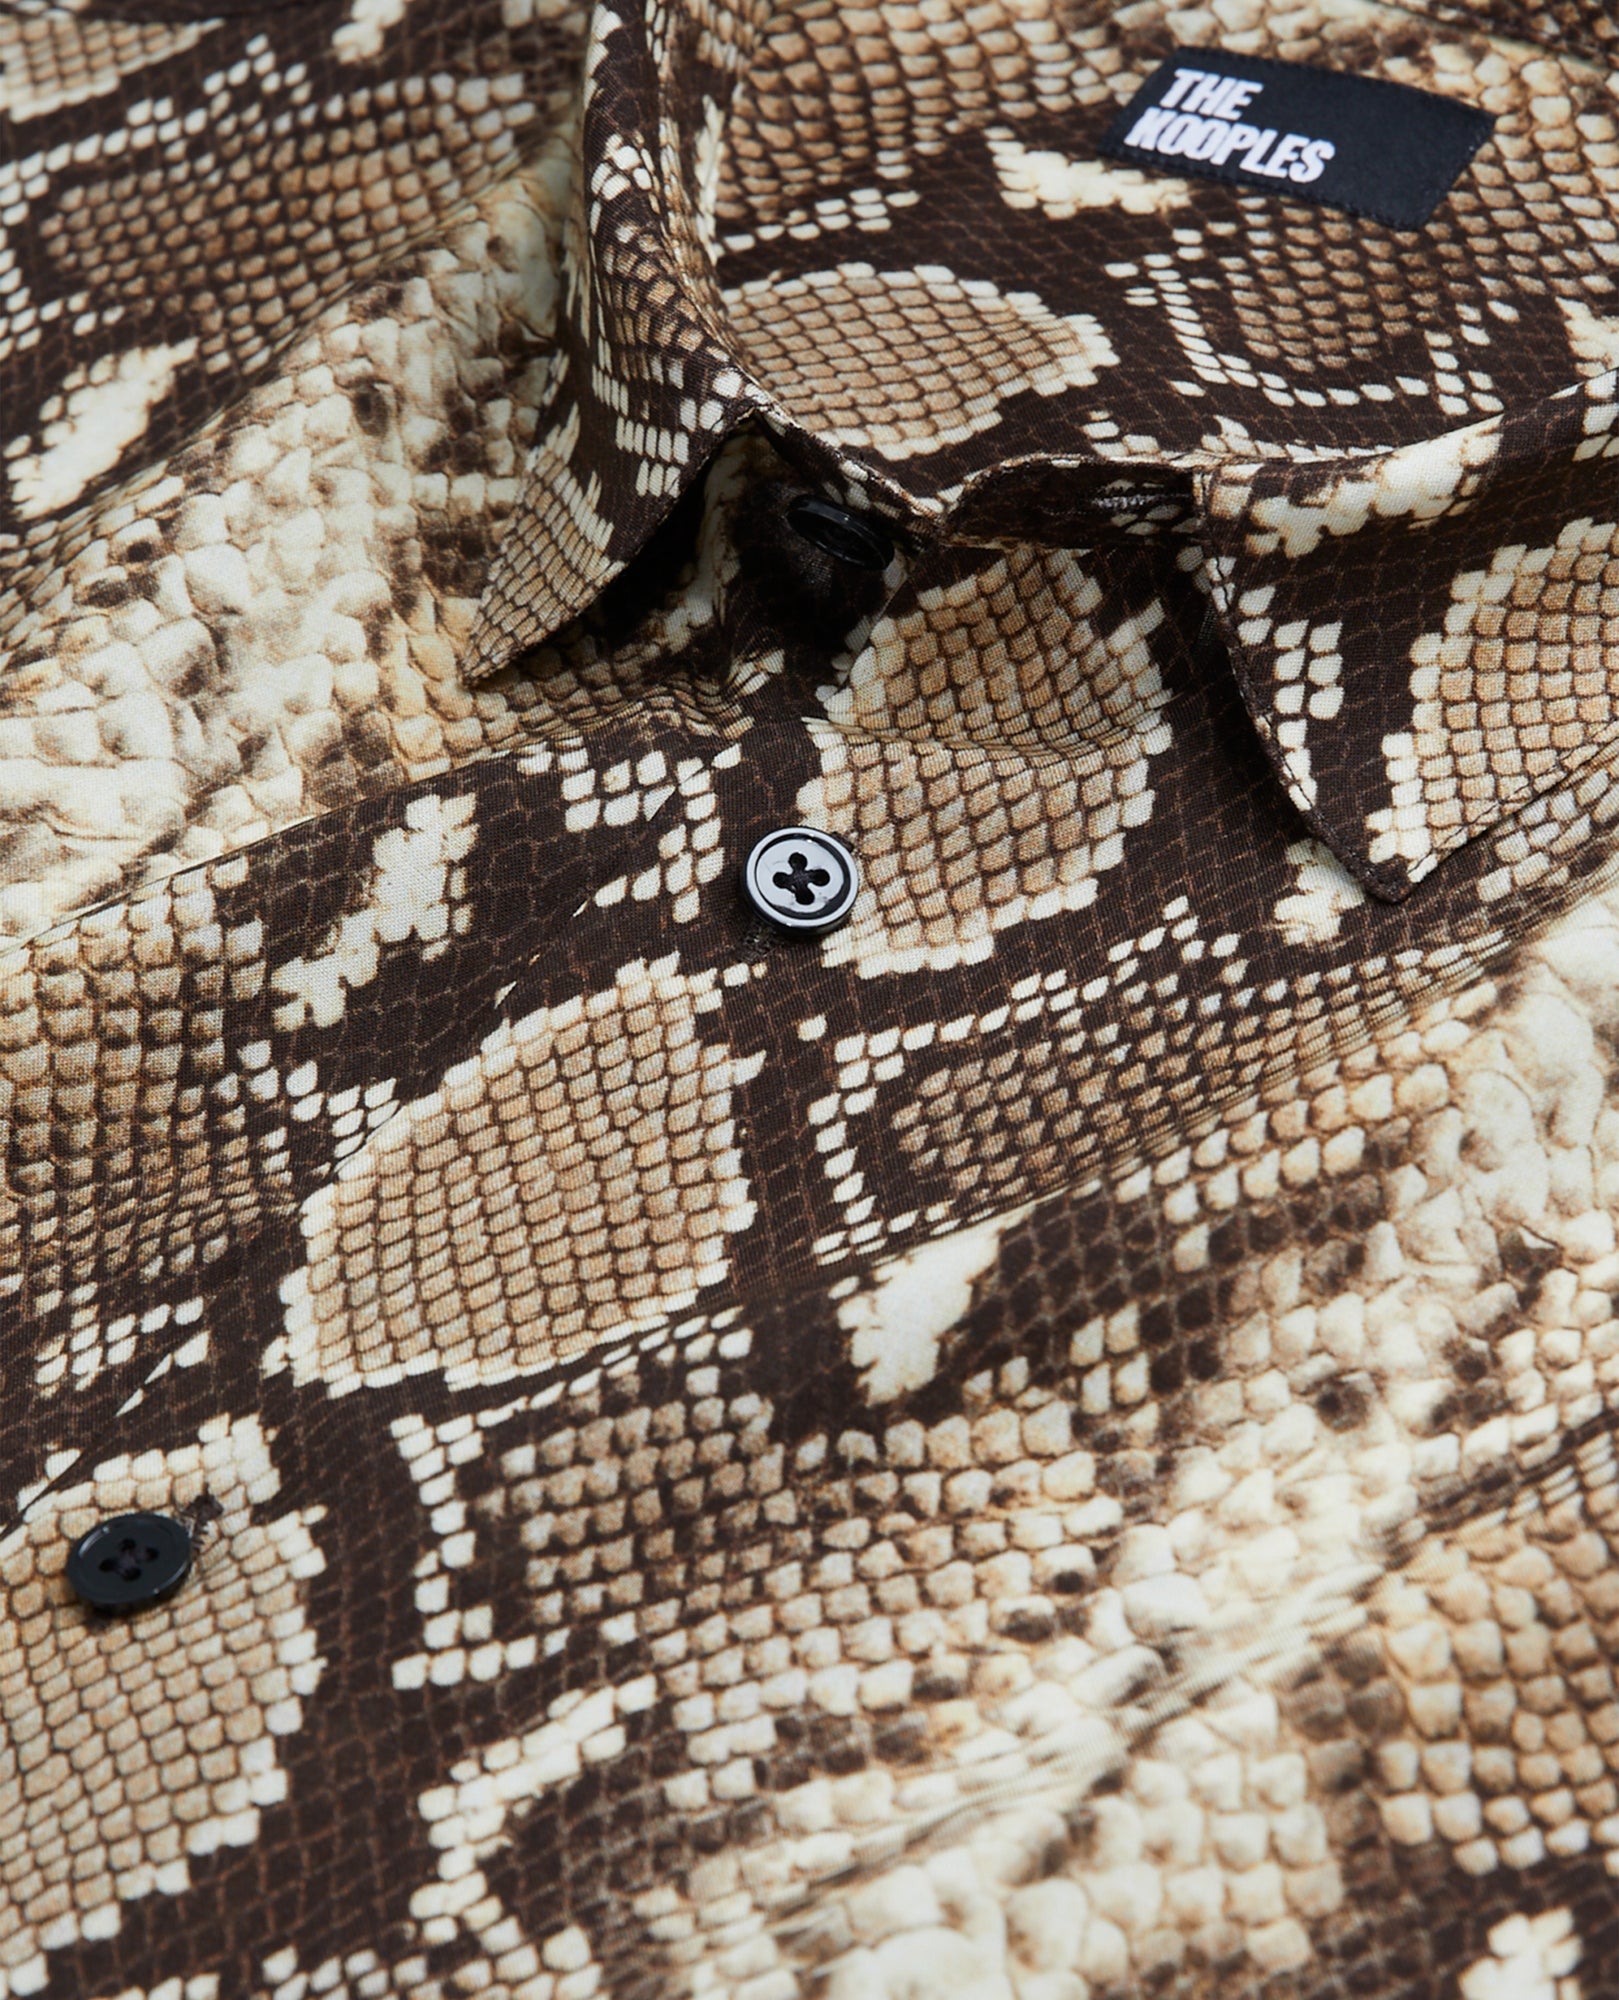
(1050, 1440)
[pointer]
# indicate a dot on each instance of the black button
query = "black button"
(801, 879)
(130, 1561)
(853, 538)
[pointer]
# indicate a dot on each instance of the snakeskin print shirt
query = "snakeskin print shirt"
(1055, 1441)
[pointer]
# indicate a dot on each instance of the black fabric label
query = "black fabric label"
(1377, 149)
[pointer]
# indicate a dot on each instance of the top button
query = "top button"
(801, 879)
(857, 539)
(130, 1561)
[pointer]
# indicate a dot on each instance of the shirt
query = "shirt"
(1054, 1440)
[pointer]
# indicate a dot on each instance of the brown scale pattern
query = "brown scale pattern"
(133, 1748)
(1516, 683)
(1012, 1613)
(1015, 652)
(49, 62)
(984, 1534)
(932, 356)
(109, 1043)
(829, 104)
(582, 1165)
(1055, 1445)
(1347, 303)
(1273, 308)
(1585, 25)
(1391, 798)
(643, 389)
(221, 654)
(1504, 1669)
(320, 165)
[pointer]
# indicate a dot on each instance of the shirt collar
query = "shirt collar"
(1419, 633)
(1428, 638)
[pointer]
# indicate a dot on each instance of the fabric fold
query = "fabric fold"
(1425, 639)
(643, 389)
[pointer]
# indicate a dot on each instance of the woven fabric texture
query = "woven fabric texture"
(1055, 1442)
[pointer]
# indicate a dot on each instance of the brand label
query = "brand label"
(1377, 149)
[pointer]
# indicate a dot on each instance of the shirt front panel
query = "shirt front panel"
(1058, 1436)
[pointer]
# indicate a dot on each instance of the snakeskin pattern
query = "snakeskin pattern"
(1054, 1443)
